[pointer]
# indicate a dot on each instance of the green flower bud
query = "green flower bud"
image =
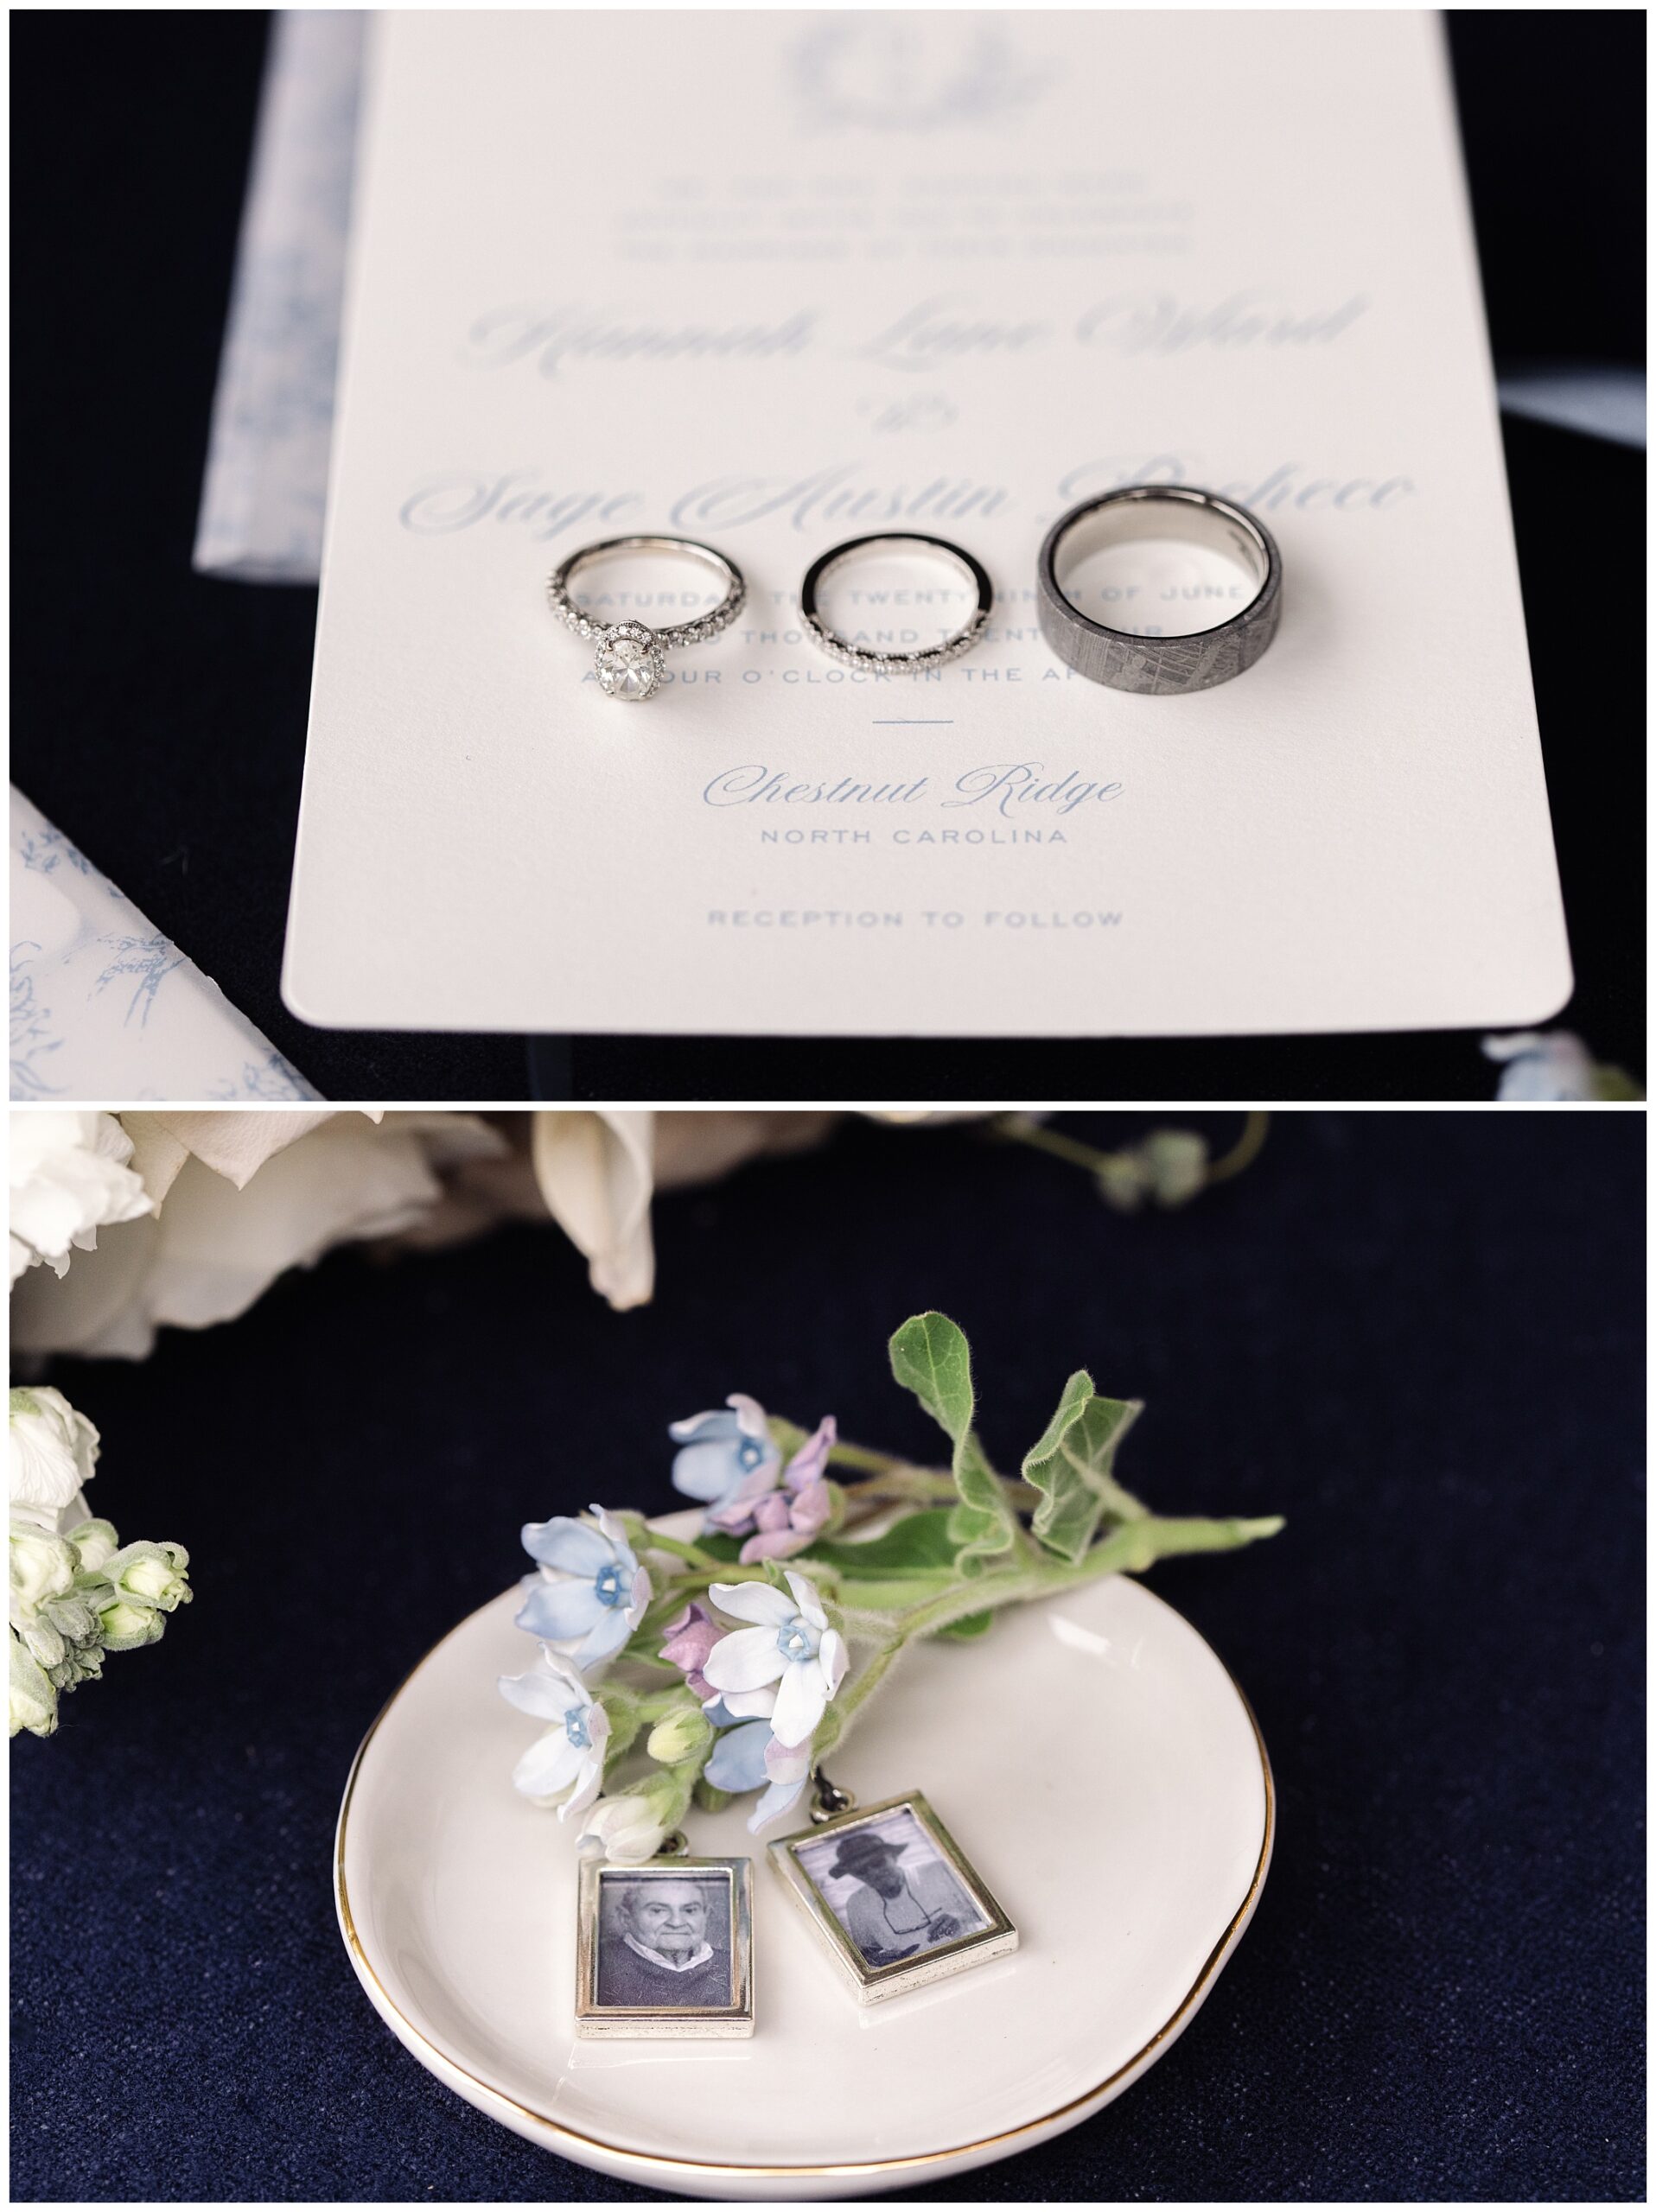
(81, 1662)
(75, 1615)
(1169, 1168)
(1123, 1180)
(43, 1643)
(127, 1627)
(33, 1700)
(1177, 1161)
(679, 1736)
(150, 1575)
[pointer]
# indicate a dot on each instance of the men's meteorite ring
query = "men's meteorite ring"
(874, 657)
(631, 655)
(1193, 662)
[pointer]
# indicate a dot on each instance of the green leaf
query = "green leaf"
(717, 1544)
(918, 1544)
(969, 1626)
(1072, 1467)
(929, 1356)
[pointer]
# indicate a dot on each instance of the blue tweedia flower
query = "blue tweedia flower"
(790, 1644)
(748, 1756)
(590, 1593)
(564, 1767)
(728, 1463)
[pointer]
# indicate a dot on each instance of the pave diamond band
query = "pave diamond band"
(871, 657)
(1194, 661)
(632, 655)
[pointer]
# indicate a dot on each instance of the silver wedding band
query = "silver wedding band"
(873, 656)
(631, 654)
(1193, 662)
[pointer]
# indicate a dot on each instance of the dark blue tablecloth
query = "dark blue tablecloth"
(1418, 1336)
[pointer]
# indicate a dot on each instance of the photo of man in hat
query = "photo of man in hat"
(894, 1910)
(664, 1944)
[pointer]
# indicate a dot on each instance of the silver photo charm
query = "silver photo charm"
(895, 1898)
(665, 1949)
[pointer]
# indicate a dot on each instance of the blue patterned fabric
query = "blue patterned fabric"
(1418, 1336)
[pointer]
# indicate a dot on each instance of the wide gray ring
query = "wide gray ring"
(1196, 661)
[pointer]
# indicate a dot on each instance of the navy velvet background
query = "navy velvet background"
(1417, 1335)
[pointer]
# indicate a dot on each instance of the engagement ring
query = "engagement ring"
(631, 655)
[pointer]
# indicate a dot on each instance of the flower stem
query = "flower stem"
(1022, 1128)
(868, 1680)
(1129, 1549)
(895, 1481)
(860, 1456)
(1244, 1151)
(713, 1568)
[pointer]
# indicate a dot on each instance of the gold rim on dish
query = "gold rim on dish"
(717, 2169)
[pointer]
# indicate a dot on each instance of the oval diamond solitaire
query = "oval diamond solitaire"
(629, 661)
(632, 657)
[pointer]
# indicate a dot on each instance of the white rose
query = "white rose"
(922, 1116)
(51, 1451)
(238, 1199)
(69, 1178)
(597, 1173)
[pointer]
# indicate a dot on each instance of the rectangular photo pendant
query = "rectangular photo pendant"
(665, 1949)
(895, 1898)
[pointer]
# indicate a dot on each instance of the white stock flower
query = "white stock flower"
(95, 1542)
(144, 1573)
(33, 1701)
(42, 1565)
(51, 1451)
(791, 1645)
(69, 1178)
(239, 1199)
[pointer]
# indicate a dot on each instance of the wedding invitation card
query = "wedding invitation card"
(774, 281)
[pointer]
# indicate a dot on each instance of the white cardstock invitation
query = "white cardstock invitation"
(776, 280)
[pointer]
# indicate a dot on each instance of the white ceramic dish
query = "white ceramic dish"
(1091, 1756)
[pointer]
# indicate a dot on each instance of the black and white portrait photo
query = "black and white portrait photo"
(663, 1940)
(890, 1888)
